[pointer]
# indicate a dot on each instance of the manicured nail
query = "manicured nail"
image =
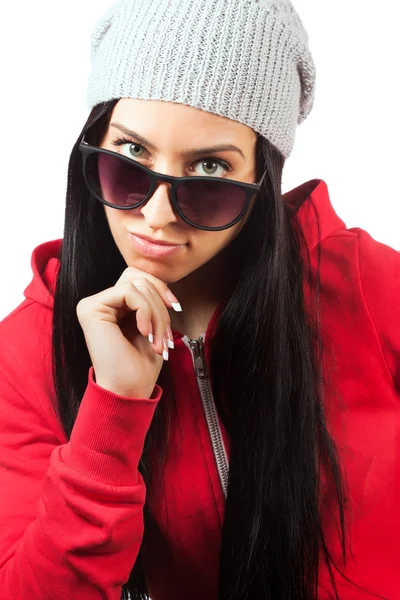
(170, 338)
(174, 301)
(165, 351)
(151, 338)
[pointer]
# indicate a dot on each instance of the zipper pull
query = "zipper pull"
(199, 362)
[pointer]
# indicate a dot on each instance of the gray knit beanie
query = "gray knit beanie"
(247, 60)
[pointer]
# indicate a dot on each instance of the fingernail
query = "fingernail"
(165, 351)
(151, 338)
(170, 339)
(174, 301)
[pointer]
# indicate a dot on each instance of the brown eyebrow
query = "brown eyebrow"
(194, 152)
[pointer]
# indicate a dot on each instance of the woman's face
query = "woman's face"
(173, 133)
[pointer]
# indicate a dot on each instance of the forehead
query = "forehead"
(179, 124)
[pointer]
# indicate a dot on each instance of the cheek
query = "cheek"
(113, 218)
(118, 231)
(108, 214)
(210, 243)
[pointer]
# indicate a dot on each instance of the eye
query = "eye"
(131, 153)
(208, 165)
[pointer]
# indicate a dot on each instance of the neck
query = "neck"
(199, 295)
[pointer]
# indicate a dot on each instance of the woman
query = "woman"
(200, 392)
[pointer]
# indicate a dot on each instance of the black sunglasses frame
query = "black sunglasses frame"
(250, 189)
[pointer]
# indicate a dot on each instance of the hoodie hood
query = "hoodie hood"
(45, 264)
(307, 200)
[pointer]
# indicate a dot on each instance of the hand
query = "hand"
(118, 323)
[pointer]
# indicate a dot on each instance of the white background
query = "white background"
(351, 138)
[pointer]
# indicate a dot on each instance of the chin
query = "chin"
(157, 268)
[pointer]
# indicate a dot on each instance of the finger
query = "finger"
(166, 336)
(145, 284)
(159, 318)
(162, 326)
(113, 305)
(170, 300)
(143, 321)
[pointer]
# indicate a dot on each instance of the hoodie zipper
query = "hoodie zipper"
(197, 349)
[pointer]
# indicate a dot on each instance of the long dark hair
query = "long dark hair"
(266, 357)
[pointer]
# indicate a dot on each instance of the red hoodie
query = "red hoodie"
(71, 512)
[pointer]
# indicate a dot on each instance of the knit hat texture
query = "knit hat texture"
(247, 60)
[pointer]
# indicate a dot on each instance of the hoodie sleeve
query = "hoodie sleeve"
(71, 515)
(380, 278)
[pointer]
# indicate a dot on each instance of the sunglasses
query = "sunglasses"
(209, 203)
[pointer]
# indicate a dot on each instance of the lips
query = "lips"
(147, 247)
(154, 241)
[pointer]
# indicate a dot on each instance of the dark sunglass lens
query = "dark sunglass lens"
(117, 181)
(210, 203)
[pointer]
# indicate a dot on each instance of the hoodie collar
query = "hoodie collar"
(307, 200)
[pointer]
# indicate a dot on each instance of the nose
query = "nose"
(158, 211)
